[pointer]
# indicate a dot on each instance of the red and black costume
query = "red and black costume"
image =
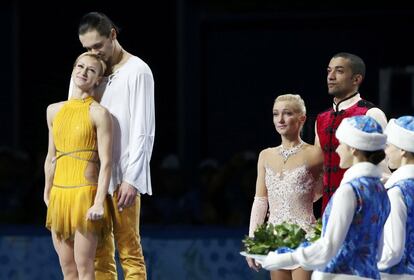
(327, 123)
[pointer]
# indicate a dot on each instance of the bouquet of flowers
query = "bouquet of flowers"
(283, 237)
(316, 232)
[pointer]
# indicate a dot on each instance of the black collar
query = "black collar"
(349, 97)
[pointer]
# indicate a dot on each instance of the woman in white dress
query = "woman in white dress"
(288, 179)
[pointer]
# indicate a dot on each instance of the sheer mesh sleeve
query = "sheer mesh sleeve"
(258, 214)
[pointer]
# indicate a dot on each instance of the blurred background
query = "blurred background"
(217, 66)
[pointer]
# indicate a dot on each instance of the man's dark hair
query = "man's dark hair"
(96, 21)
(356, 63)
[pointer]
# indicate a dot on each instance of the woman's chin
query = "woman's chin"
(344, 166)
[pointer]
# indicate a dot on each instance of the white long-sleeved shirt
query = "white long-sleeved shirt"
(395, 226)
(129, 97)
(318, 255)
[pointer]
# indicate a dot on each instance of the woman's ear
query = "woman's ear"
(97, 82)
(302, 118)
(405, 153)
(354, 151)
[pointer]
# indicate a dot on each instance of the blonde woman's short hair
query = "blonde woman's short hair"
(101, 62)
(295, 99)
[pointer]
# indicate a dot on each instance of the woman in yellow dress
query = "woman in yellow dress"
(77, 171)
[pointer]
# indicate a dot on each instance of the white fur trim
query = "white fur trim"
(402, 173)
(386, 276)
(399, 136)
(359, 139)
(361, 169)
(318, 275)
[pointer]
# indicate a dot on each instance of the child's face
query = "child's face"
(345, 155)
(393, 156)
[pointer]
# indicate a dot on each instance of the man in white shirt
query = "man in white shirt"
(345, 74)
(128, 94)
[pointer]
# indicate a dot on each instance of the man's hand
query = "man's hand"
(126, 196)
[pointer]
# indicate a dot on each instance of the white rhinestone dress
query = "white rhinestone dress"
(290, 196)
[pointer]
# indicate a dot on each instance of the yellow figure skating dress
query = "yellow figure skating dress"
(73, 193)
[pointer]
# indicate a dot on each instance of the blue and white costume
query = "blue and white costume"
(397, 260)
(354, 218)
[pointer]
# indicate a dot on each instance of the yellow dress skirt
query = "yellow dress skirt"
(67, 210)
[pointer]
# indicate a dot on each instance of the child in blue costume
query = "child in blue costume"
(354, 218)
(397, 260)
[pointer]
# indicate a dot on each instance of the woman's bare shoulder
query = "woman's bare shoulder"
(99, 112)
(312, 148)
(313, 152)
(98, 108)
(53, 108)
(267, 151)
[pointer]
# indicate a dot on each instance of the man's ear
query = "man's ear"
(113, 34)
(357, 79)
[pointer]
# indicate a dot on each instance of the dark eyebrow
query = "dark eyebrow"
(93, 46)
(336, 67)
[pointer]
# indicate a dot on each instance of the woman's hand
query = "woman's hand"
(96, 212)
(253, 264)
(46, 198)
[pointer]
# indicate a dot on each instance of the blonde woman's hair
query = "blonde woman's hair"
(295, 99)
(101, 62)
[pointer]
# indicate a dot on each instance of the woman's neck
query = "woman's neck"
(79, 94)
(290, 142)
(358, 160)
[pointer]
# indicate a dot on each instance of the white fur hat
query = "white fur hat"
(362, 133)
(400, 132)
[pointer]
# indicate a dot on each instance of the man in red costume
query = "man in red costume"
(345, 74)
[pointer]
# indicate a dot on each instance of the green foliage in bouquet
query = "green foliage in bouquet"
(269, 237)
(316, 231)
